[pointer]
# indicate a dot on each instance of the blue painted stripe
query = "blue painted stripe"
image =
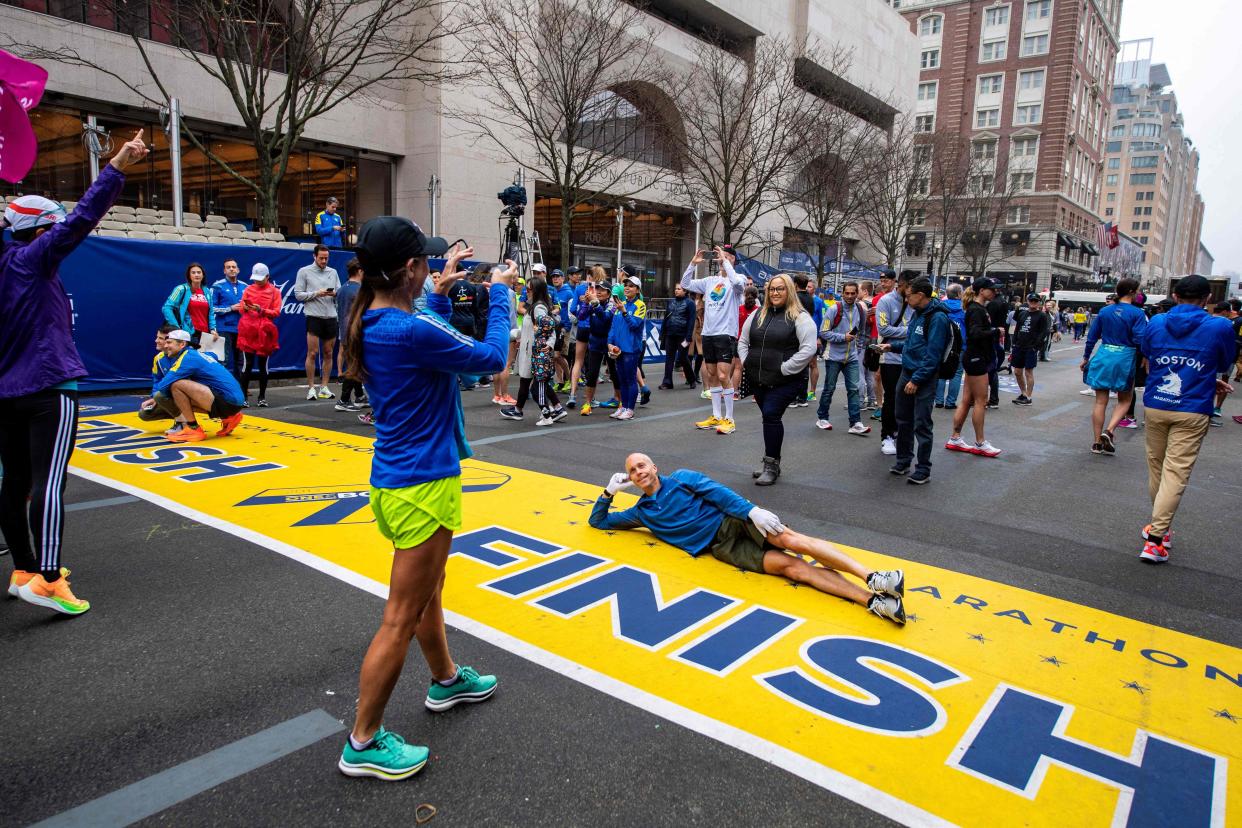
(177, 784)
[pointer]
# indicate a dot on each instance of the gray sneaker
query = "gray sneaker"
(888, 607)
(887, 582)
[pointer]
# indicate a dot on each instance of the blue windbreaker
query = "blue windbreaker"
(1118, 324)
(1186, 349)
(191, 365)
(224, 295)
(628, 329)
(598, 321)
(564, 296)
(686, 511)
(412, 361)
(328, 227)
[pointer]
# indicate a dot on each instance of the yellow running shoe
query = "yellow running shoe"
(55, 595)
(20, 578)
(726, 427)
(709, 423)
(585, 410)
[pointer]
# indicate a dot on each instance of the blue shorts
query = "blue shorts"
(1024, 358)
(1111, 368)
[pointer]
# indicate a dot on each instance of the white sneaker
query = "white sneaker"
(986, 449)
(616, 415)
(860, 429)
(325, 393)
(958, 444)
(1087, 392)
(889, 446)
(625, 414)
(823, 425)
(545, 420)
(310, 392)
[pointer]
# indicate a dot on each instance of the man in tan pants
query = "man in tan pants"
(1186, 350)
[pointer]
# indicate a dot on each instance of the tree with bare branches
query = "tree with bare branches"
(576, 92)
(895, 184)
(745, 120)
(285, 63)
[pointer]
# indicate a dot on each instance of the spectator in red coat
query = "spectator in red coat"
(257, 337)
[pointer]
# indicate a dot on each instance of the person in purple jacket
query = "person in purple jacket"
(39, 373)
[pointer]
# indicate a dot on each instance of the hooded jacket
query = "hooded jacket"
(628, 328)
(956, 313)
(36, 319)
(837, 323)
(927, 336)
(1186, 349)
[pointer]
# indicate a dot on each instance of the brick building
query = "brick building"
(1027, 83)
(1152, 168)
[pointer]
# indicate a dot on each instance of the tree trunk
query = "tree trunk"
(268, 195)
(567, 217)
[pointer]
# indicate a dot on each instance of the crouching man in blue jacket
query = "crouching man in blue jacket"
(696, 514)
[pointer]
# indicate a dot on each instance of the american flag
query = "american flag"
(1106, 235)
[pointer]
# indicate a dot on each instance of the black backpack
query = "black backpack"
(952, 356)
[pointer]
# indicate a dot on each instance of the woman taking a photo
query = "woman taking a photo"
(978, 358)
(189, 307)
(257, 337)
(593, 314)
(625, 344)
(409, 362)
(776, 346)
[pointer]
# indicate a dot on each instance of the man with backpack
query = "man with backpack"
(927, 354)
(842, 329)
(1031, 327)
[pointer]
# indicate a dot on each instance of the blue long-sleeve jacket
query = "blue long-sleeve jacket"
(1117, 324)
(36, 320)
(191, 365)
(927, 336)
(412, 361)
(1186, 349)
(629, 328)
(686, 511)
(328, 228)
(224, 295)
(598, 321)
(177, 309)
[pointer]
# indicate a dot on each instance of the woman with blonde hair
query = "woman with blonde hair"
(776, 346)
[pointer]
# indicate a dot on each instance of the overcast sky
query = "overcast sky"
(1199, 41)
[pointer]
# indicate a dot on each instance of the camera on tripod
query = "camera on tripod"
(514, 199)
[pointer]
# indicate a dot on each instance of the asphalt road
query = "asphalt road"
(198, 638)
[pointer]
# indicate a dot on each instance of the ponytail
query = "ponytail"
(968, 297)
(374, 282)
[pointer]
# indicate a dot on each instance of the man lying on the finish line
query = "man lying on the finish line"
(696, 514)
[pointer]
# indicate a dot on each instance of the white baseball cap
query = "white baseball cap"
(259, 272)
(29, 211)
(179, 335)
(538, 268)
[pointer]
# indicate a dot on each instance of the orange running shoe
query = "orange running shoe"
(228, 424)
(20, 578)
(187, 434)
(56, 596)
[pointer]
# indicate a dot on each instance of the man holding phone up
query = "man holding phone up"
(316, 288)
(842, 329)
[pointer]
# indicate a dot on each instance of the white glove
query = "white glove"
(765, 521)
(619, 481)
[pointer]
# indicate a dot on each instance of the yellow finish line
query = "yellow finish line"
(993, 705)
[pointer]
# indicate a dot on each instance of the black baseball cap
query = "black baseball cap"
(631, 270)
(1193, 286)
(1034, 297)
(982, 283)
(574, 269)
(385, 243)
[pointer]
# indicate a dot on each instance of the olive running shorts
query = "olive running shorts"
(740, 543)
(410, 515)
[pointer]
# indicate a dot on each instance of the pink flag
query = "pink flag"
(21, 88)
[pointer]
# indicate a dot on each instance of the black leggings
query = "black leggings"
(594, 361)
(889, 374)
(545, 395)
(251, 361)
(36, 440)
(773, 400)
(350, 390)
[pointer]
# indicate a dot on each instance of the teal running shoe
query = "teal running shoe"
(469, 687)
(388, 758)
(613, 403)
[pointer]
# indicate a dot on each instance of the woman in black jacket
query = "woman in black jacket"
(777, 344)
(676, 332)
(978, 359)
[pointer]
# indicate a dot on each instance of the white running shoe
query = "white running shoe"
(545, 420)
(986, 449)
(310, 392)
(616, 415)
(886, 606)
(889, 446)
(325, 393)
(887, 582)
(625, 414)
(1087, 392)
(823, 425)
(958, 444)
(860, 429)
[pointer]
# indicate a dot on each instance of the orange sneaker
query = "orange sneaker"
(56, 596)
(186, 434)
(20, 578)
(228, 424)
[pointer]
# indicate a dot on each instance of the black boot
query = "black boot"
(771, 471)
